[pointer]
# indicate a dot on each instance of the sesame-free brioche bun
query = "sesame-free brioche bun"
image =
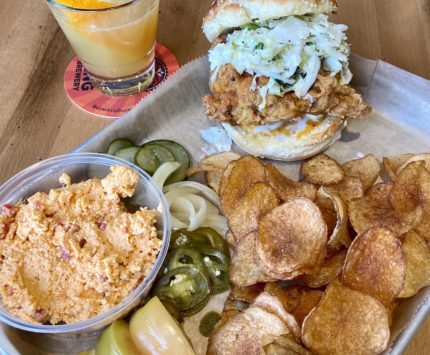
(287, 143)
(227, 14)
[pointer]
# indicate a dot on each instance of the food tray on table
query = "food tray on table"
(399, 123)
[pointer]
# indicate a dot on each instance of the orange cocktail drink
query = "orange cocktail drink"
(114, 39)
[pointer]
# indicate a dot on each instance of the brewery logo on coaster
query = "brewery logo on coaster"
(160, 74)
(81, 92)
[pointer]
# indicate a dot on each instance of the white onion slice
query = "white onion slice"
(212, 209)
(216, 218)
(177, 224)
(163, 172)
(200, 206)
(182, 204)
(192, 205)
(206, 191)
(219, 223)
(180, 191)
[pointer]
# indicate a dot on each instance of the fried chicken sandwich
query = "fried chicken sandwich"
(279, 76)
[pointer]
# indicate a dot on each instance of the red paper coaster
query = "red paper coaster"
(81, 92)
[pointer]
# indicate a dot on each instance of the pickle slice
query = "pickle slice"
(118, 144)
(151, 156)
(127, 153)
(181, 156)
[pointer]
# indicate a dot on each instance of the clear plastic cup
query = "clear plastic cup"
(44, 176)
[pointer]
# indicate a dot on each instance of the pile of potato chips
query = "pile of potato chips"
(320, 264)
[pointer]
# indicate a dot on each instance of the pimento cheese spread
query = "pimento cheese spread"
(75, 252)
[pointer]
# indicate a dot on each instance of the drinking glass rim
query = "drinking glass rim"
(65, 7)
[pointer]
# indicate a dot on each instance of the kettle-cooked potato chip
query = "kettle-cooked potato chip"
(285, 345)
(329, 270)
(418, 157)
(273, 305)
(249, 331)
(411, 193)
(322, 170)
(201, 168)
(232, 304)
(221, 160)
(390, 310)
(350, 188)
(323, 201)
(375, 264)
(259, 200)
(366, 168)
(411, 187)
(238, 335)
(246, 172)
(346, 321)
(213, 179)
(286, 188)
(297, 300)
(229, 237)
(246, 293)
(267, 325)
(214, 162)
(330, 217)
(340, 235)
(288, 295)
(291, 237)
(392, 164)
(375, 210)
(225, 316)
(423, 228)
(226, 176)
(284, 276)
(417, 254)
(244, 268)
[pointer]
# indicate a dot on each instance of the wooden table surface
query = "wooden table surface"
(38, 121)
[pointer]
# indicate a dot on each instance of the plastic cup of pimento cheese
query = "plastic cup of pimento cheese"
(44, 176)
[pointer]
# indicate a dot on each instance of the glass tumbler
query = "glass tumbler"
(115, 40)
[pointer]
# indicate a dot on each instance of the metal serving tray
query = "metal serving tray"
(399, 123)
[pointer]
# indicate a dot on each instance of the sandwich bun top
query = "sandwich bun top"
(227, 14)
(288, 141)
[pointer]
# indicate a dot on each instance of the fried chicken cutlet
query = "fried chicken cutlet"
(234, 100)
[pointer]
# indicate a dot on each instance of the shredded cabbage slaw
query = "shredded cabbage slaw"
(289, 51)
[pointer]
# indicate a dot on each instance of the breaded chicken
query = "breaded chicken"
(233, 100)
